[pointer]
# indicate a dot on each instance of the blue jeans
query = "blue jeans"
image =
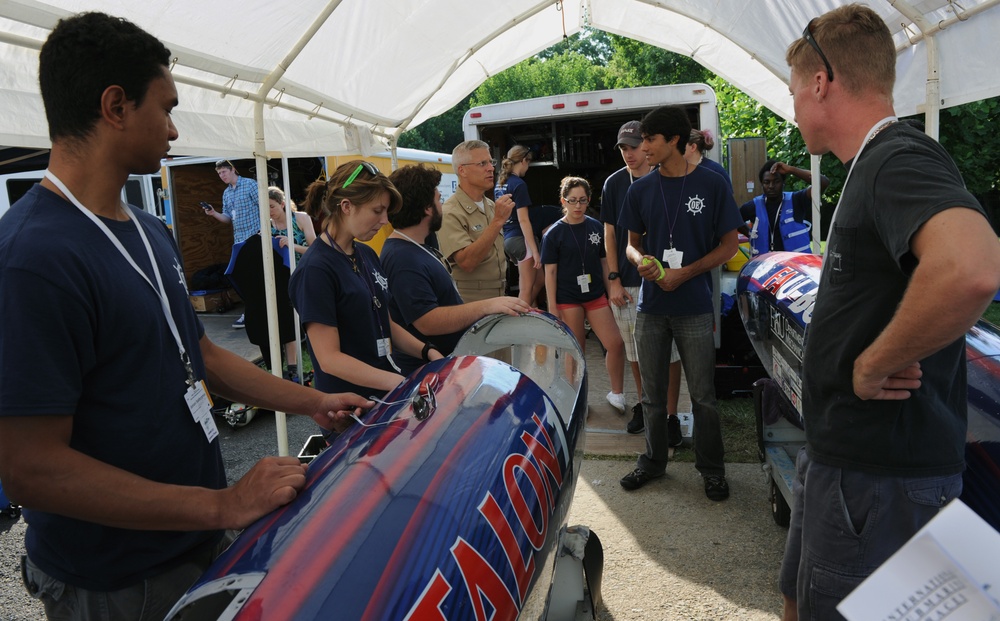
(846, 523)
(654, 335)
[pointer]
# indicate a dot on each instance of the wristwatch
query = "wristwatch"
(613, 276)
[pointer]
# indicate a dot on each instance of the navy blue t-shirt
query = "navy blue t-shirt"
(612, 197)
(698, 209)
(326, 289)
(84, 335)
(717, 167)
(576, 249)
(518, 191)
(419, 283)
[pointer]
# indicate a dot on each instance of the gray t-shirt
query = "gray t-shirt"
(902, 179)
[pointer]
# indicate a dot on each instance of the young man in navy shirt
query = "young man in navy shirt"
(112, 449)
(425, 299)
(682, 223)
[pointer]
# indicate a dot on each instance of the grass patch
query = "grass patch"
(739, 432)
(992, 313)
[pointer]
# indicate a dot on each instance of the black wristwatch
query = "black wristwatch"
(426, 350)
(613, 276)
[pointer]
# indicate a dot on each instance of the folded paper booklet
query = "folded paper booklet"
(948, 570)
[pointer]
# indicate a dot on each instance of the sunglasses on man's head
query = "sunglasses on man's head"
(372, 170)
(807, 35)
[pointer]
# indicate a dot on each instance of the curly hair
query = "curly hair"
(416, 184)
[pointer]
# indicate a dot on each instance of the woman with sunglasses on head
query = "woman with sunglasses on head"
(576, 280)
(519, 241)
(303, 233)
(341, 291)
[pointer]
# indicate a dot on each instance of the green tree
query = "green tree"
(568, 72)
(634, 63)
(592, 44)
(968, 133)
(440, 133)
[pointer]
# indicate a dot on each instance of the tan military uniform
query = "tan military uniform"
(462, 224)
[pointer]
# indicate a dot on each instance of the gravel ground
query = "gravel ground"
(670, 553)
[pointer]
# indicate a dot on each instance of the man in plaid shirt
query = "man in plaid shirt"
(239, 207)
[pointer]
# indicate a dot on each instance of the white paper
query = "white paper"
(949, 570)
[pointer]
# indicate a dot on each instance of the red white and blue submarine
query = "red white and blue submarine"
(449, 502)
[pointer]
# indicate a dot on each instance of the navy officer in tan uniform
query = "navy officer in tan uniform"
(471, 235)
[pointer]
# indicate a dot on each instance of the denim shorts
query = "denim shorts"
(846, 523)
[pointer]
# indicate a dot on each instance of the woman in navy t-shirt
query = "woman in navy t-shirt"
(341, 291)
(576, 279)
(519, 239)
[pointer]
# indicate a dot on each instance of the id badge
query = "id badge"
(384, 347)
(200, 405)
(584, 281)
(673, 257)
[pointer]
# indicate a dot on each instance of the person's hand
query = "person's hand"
(893, 387)
(334, 411)
(503, 206)
(282, 240)
(781, 168)
(271, 483)
(672, 278)
(507, 305)
(617, 294)
(649, 270)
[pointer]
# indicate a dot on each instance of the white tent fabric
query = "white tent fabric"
(350, 72)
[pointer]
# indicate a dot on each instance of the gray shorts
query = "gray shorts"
(148, 600)
(515, 248)
(846, 523)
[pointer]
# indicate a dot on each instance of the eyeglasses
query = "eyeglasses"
(807, 35)
(372, 170)
(574, 201)
(482, 164)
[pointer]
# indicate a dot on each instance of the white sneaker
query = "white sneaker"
(617, 401)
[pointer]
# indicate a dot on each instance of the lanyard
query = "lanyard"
(876, 128)
(572, 233)
(158, 288)
(666, 208)
(362, 273)
(438, 258)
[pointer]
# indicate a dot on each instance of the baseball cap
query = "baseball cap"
(630, 134)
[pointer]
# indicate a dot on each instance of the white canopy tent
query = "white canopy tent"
(347, 76)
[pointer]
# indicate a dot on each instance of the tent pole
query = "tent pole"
(392, 151)
(289, 214)
(260, 153)
(267, 255)
(932, 105)
(932, 86)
